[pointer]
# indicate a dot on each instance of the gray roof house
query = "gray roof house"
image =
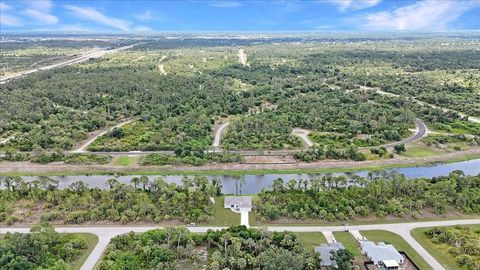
(382, 254)
(325, 251)
(238, 203)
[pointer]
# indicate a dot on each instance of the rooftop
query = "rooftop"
(325, 251)
(241, 201)
(381, 252)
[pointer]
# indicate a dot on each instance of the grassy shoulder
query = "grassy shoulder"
(398, 242)
(438, 251)
(92, 241)
(125, 161)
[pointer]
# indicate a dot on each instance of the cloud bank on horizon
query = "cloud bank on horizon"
(226, 15)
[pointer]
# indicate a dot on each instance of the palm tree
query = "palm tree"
(112, 182)
(144, 181)
(135, 181)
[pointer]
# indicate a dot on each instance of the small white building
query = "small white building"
(382, 255)
(238, 203)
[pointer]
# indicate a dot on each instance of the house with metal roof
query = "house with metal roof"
(325, 253)
(382, 255)
(238, 203)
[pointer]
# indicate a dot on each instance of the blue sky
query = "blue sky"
(158, 16)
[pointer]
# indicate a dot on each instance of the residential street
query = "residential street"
(403, 229)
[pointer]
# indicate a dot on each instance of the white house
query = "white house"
(382, 255)
(238, 203)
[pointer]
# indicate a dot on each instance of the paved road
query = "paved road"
(303, 134)
(83, 147)
(470, 118)
(218, 134)
(403, 229)
(94, 53)
(421, 132)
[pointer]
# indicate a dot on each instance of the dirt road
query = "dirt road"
(32, 168)
(242, 57)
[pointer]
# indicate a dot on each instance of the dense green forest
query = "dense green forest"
(233, 248)
(42, 248)
(141, 201)
(313, 85)
(381, 195)
(460, 242)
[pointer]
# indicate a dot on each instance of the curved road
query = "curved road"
(218, 135)
(403, 229)
(421, 132)
(303, 134)
(376, 89)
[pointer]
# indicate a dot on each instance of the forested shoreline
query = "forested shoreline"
(325, 199)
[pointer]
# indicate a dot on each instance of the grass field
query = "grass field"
(418, 150)
(398, 242)
(438, 251)
(349, 242)
(223, 216)
(124, 161)
(311, 240)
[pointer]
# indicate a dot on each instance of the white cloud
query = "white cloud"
(41, 5)
(40, 11)
(146, 16)
(225, 4)
(41, 16)
(4, 6)
(344, 5)
(424, 15)
(91, 14)
(9, 20)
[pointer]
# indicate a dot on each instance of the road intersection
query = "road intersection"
(106, 233)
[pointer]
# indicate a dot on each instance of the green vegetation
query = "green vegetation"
(454, 247)
(399, 243)
(232, 248)
(142, 201)
(197, 159)
(124, 161)
(311, 240)
(312, 84)
(349, 242)
(379, 195)
(43, 248)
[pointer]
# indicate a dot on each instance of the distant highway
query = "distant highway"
(92, 54)
(106, 233)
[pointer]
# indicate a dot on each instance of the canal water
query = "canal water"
(254, 183)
